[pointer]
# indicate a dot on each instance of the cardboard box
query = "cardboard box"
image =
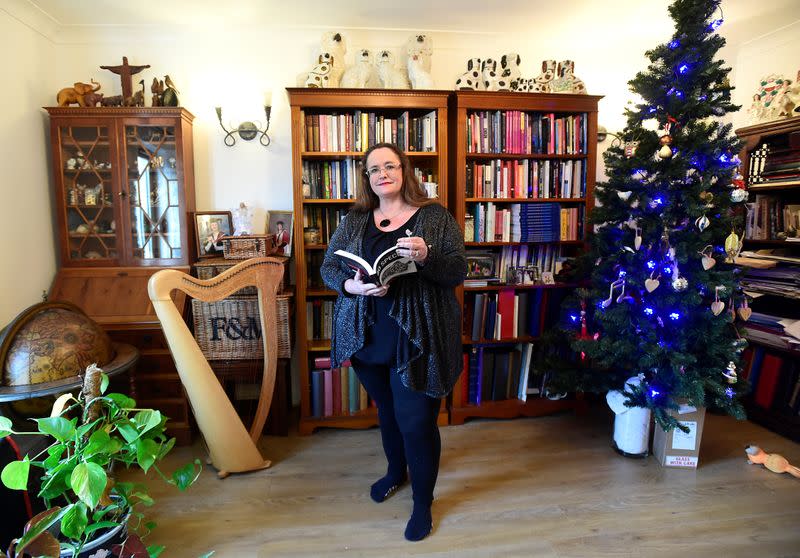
(677, 448)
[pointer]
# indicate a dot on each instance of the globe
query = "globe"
(51, 341)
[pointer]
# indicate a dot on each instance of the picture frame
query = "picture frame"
(481, 266)
(209, 227)
(280, 223)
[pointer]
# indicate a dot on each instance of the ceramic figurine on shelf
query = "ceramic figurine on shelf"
(242, 220)
(471, 79)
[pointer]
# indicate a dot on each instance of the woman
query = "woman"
(213, 243)
(403, 339)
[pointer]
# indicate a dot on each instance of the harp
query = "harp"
(231, 448)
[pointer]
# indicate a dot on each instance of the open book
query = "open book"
(388, 265)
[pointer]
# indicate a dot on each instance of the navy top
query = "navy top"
(384, 337)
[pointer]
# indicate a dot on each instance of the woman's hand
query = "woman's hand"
(357, 287)
(413, 247)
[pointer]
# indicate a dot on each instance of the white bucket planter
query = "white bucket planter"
(631, 424)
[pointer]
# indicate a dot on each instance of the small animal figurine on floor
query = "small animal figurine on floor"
(772, 461)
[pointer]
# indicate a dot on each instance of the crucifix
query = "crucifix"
(125, 71)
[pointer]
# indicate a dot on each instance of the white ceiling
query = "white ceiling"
(745, 20)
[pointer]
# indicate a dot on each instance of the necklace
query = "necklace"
(388, 220)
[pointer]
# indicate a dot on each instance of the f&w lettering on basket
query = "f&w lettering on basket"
(234, 329)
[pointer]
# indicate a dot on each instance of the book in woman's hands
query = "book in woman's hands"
(388, 265)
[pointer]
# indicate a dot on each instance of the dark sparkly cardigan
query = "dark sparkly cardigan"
(425, 307)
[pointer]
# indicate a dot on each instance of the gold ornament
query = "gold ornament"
(733, 245)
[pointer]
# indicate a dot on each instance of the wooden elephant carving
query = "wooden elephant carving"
(74, 94)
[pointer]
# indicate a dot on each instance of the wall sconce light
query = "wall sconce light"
(246, 130)
(602, 134)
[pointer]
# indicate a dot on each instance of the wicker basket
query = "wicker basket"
(248, 246)
(230, 329)
(211, 267)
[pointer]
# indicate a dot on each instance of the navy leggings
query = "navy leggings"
(409, 430)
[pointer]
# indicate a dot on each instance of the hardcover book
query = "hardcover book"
(388, 265)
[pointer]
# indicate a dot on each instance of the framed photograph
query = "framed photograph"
(279, 223)
(481, 266)
(210, 227)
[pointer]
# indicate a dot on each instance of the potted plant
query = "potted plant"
(93, 434)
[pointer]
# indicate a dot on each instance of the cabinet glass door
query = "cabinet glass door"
(154, 193)
(86, 171)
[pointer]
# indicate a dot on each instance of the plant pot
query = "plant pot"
(631, 424)
(101, 546)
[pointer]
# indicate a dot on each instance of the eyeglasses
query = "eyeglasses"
(388, 167)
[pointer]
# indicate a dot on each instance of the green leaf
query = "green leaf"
(58, 427)
(155, 551)
(128, 431)
(146, 453)
(99, 442)
(88, 481)
(38, 525)
(166, 448)
(103, 382)
(100, 525)
(147, 420)
(186, 475)
(123, 401)
(15, 474)
(74, 522)
(5, 427)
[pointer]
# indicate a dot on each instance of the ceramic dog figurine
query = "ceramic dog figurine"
(541, 83)
(390, 77)
(334, 44)
(320, 75)
(471, 80)
(509, 69)
(489, 74)
(360, 73)
(566, 82)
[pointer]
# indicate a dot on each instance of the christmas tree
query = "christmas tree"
(664, 286)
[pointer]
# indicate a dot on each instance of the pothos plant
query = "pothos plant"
(93, 434)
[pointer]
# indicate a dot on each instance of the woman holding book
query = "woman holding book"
(404, 338)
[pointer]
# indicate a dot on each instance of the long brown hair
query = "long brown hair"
(412, 192)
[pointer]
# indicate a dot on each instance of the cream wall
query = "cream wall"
(234, 67)
(27, 260)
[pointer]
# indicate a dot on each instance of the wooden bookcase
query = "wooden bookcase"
(771, 169)
(486, 134)
(318, 208)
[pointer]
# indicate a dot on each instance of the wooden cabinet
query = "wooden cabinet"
(124, 186)
(523, 167)
(331, 128)
(771, 168)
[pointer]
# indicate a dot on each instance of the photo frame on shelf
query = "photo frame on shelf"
(280, 224)
(210, 227)
(481, 266)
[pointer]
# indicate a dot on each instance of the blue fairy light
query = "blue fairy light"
(729, 392)
(651, 264)
(714, 25)
(703, 97)
(622, 273)
(674, 316)
(673, 44)
(724, 158)
(651, 110)
(658, 201)
(648, 311)
(683, 68)
(573, 317)
(667, 270)
(654, 393)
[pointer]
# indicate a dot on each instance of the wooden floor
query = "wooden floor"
(542, 487)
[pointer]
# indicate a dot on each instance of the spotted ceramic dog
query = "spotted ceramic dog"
(320, 75)
(471, 80)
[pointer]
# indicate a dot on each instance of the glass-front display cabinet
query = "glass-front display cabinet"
(124, 185)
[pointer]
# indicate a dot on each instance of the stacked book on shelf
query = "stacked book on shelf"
(517, 132)
(506, 314)
(336, 391)
(319, 223)
(357, 131)
(769, 215)
(528, 222)
(781, 164)
(319, 318)
(526, 178)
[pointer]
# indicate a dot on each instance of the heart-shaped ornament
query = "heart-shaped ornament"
(708, 262)
(744, 313)
(624, 195)
(717, 307)
(651, 284)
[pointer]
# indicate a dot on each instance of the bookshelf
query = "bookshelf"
(771, 168)
(330, 130)
(507, 171)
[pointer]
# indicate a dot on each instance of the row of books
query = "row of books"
(504, 315)
(531, 179)
(775, 380)
(338, 180)
(497, 374)
(336, 391)
(322, 219)
(319, 319)
(769, 215)
(522, 133)
(541, 222)
(779, 165)
(359, 130)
